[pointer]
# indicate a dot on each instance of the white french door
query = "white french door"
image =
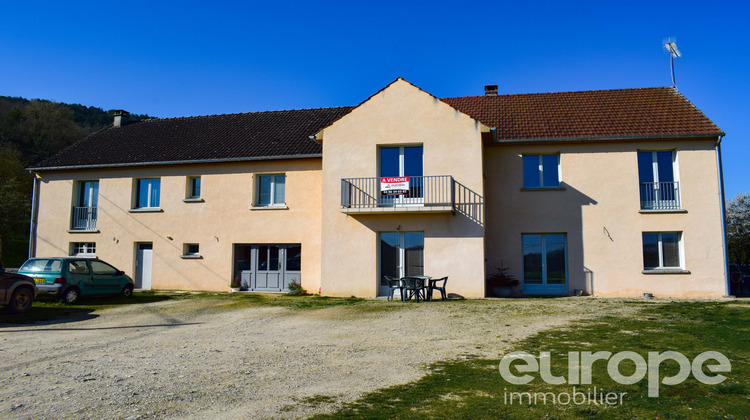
(399, 162)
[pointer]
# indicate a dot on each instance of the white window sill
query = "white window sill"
(147, 210)
(192, 257)
(193, 200)
(278, 207)
(561, 188)
(83, 231)
(646, 211)
(665, 271)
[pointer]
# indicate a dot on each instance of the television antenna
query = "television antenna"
(671, 47)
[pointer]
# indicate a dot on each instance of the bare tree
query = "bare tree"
(738, 229)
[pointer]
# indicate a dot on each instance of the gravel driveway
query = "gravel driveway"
(190, 359)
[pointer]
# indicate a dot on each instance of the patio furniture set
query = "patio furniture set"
(416, 287)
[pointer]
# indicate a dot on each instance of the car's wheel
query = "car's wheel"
(70, 295)
(21, 300)
(127, 291)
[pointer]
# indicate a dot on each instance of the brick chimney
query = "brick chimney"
(120, 115)
(490, 90)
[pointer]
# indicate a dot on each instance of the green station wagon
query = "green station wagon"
(71, 277)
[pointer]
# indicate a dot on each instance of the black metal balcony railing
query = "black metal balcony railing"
(84, 218)
(432, 190)
(660, 196)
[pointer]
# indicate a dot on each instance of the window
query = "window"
(78, 267)
(83, 249)
(193, 187)
(147, 193)
(100, 267)
(84, 208)
(47, 265)
(662, 250)
(268, 258)
(294, 258)
(541, 171)
(191, 250)
(657, 177)
(270, 190)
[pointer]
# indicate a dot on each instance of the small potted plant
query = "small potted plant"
(235, 285)
(502, 283)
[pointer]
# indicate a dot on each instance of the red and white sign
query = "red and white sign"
(394, 185)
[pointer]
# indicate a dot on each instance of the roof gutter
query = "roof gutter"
(638, 137)
(173, 162)
(723, 214)
(34, 216)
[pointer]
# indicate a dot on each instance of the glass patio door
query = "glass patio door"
(401, 254)
(399, 162)
(545, 264)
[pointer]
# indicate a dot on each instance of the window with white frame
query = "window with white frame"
(147, 193)
(85, 205)
(541, 170)
(83, 249)
(662, 250)
(270, 190)
(657, 176)
(193, 187)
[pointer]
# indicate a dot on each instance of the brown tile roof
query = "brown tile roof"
(619, 113)
(224, 137)
(622, 113)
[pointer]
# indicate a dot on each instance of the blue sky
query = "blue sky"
(169, 58)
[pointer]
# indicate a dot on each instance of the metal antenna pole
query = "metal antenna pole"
(673, 52)
(671, 60)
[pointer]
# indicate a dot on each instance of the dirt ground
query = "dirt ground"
(188, 359)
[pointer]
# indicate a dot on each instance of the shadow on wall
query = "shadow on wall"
(512, 213)
(469, 204)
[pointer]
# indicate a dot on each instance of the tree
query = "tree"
(15, 193)
(31, 131)
(738, 229)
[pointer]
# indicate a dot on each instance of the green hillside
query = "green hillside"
(31, 131)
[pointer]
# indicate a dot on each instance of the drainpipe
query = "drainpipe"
(723, 214)
(34, 214)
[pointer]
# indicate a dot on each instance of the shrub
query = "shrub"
(295, 288)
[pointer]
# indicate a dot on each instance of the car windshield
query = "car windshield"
(42, 265)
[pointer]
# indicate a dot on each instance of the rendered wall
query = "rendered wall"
(599, 211)
(225, 218)
(401, 114)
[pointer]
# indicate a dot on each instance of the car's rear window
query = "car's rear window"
(42, 265)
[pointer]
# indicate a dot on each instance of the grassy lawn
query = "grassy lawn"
(473, 388)
(48, 307)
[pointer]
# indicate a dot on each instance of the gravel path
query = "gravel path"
(189, 359)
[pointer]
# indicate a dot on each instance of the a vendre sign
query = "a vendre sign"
(394, 185)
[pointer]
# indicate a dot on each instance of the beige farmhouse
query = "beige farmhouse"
(611, 193)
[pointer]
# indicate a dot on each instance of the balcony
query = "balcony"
(660, 196)
(84, 219)
(425, 194)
